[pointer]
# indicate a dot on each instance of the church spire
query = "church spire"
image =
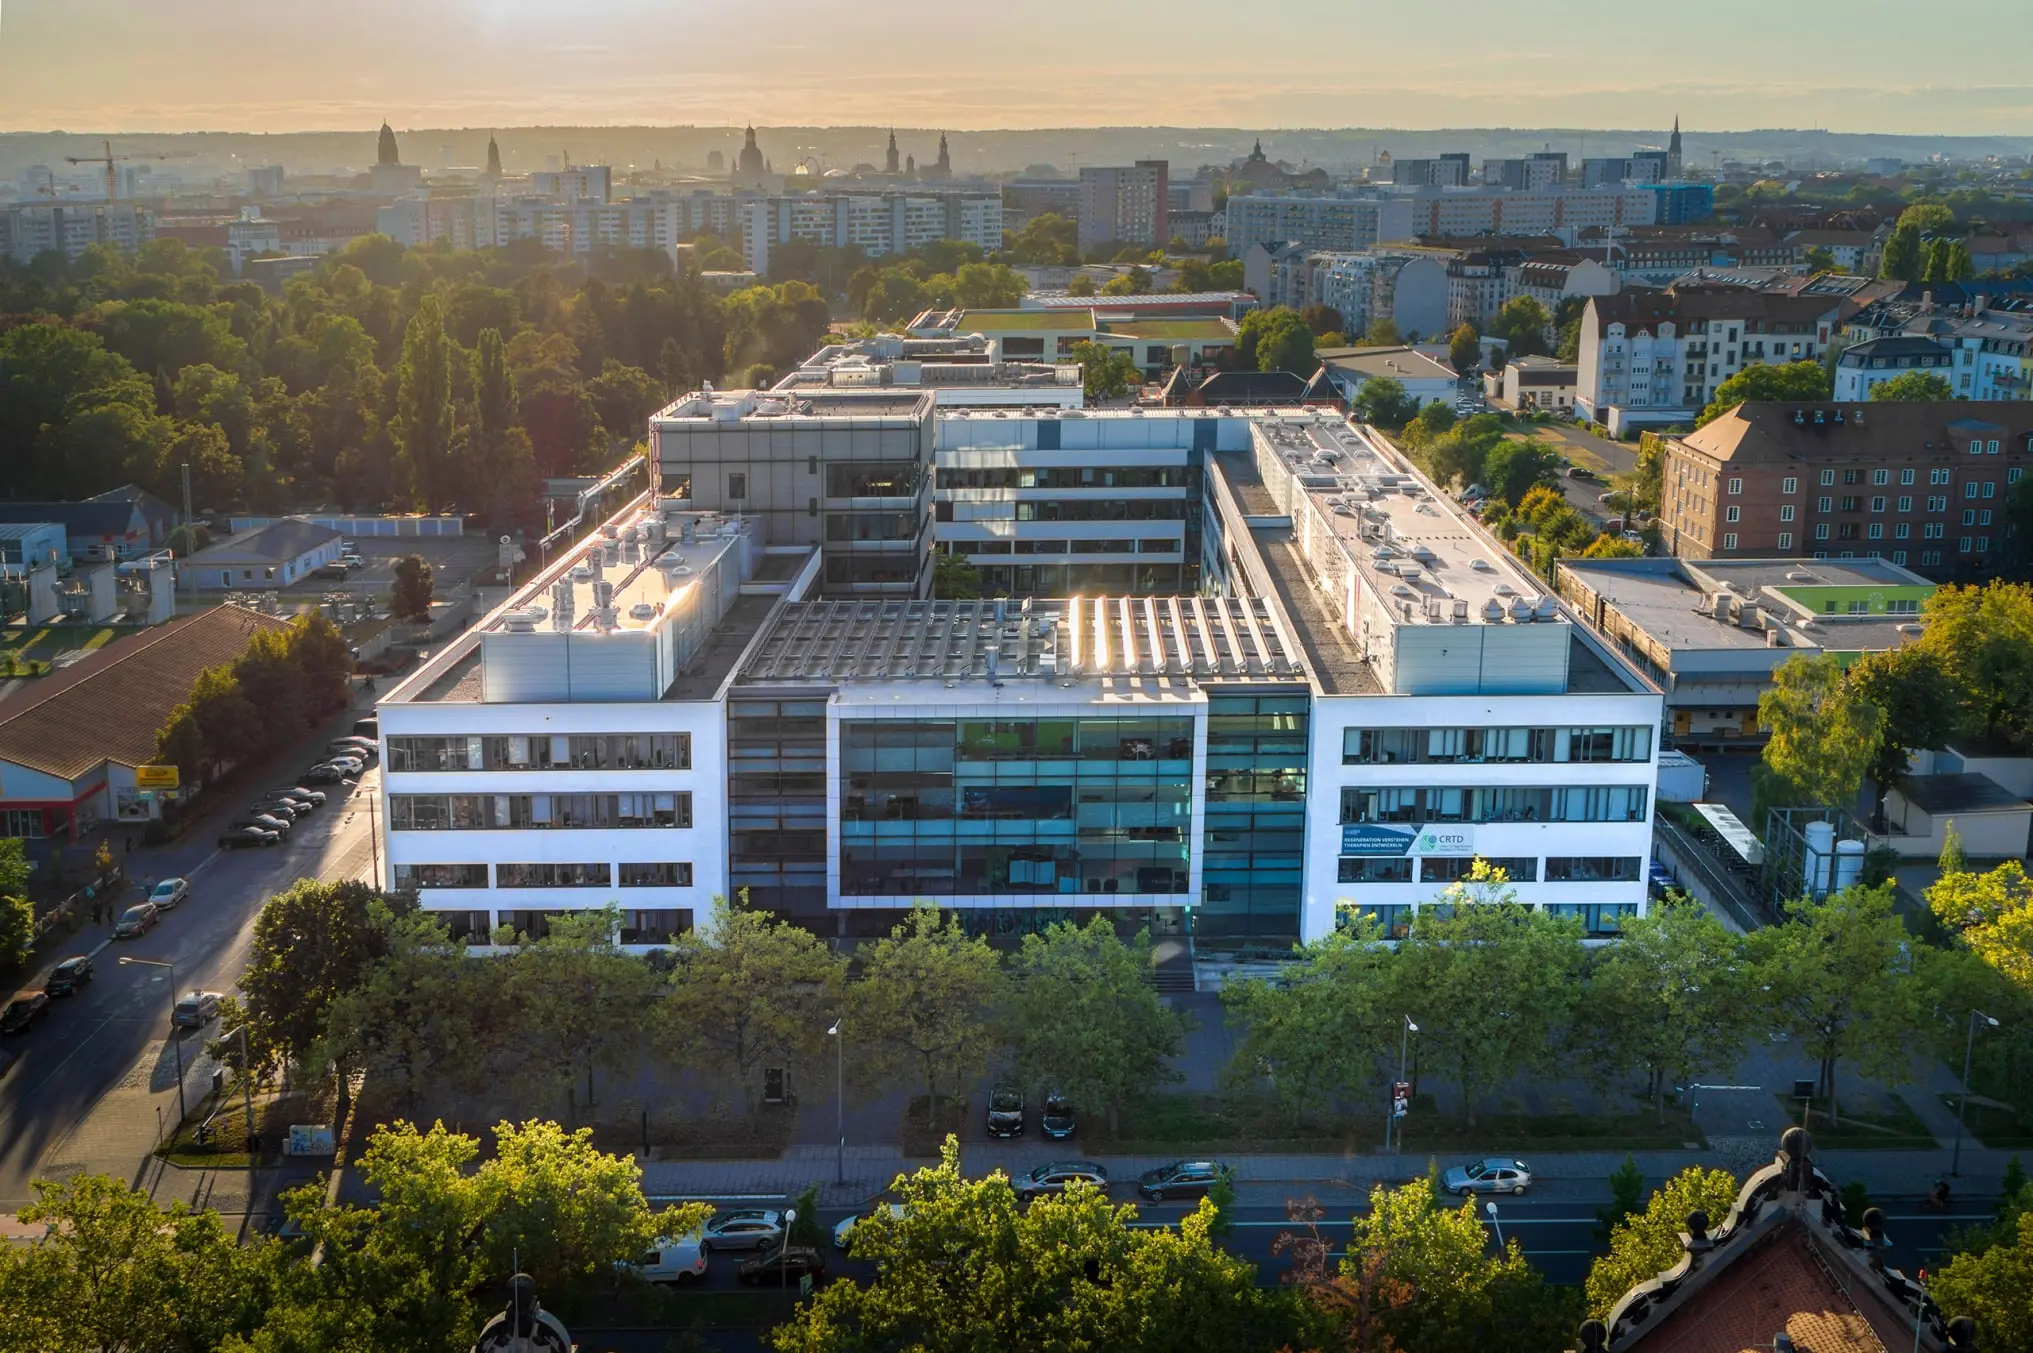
(889, 161)
(493, 157)
(385, 149)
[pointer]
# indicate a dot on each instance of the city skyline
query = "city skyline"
(459, 62)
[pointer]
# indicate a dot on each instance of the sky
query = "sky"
(1945, 67)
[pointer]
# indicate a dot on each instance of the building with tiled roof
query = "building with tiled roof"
(69, 744)
(275, 554)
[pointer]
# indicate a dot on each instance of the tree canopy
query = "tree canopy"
(1805, 380)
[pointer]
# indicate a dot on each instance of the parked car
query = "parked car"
(1580, 472)
(845, 1229)
(136, 921)
(747, 1229)
(324, 773)
(195, 1009)
(278, 803)
(784, 1264)
(239, 838)
(66, 977)
(1495, 1174)
(1055, 1177)
(1180, 1179)
(364, 748)
(1005, 1111)
(169, 893)
(348, 766)
(23, 1011)
(679, 1261)
(265, 821)
(1057, 1119)
(335, 569)
(369, 727)
(352, 560)
(299, 794)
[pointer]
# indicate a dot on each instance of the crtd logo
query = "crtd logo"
(1431, 841)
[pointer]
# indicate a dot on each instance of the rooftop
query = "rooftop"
(708, 405)
(1211, 330)
(1673, 602)
(1213, 638)
(1075, 318)
(1780, 431)
(1960, 793)
(275, 543)
(109, 706)
(1403, 363)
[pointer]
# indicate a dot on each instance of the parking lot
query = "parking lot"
(453, 560)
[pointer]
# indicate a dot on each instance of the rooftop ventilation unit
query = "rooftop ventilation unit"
(603, 594)
(642, 610)
(1521, 611)
(1493, 611)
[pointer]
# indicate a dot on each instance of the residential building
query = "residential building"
(107, 527)
(1194, 228)
(70, 743)
(265, 181)
(1711, 632)
(69, 228)
(1325, 223)
(879, 224)
(273, 555)
(1363, 286)
(1535, 383)
(1920, 484)
(1551, 278)
(1639, 167)
(1655, 255)
(1535, 211)
(580, 183)
(252, 236)
(1351, 706)
(1851, 250)
(1657, 356)
(1682, 203)
(1424, 379)
(1027, 198)
(1542, 169)
(1863, 366)
(1125, 205)
(1444, 171)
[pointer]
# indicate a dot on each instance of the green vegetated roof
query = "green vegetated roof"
(1161, 329)
(1007, 321)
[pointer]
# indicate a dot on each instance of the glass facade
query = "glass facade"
(1015, 807)
(1253, 866)
(776, 804)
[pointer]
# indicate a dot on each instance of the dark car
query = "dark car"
(137, 921)
(299, 794)
(324, 773)
(265, 821)
(239, 838)
(1055, 1178)
(1180, 1179)
(783, 1264)
(66, 977)
(1057, 1119)
(369, 727)
(275, 808)
(23, 1011)
(1005, 1111)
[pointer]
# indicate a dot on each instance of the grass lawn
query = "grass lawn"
(1215, 1124)
(922, 1136)
(1889, 1125)
(1995, 1127)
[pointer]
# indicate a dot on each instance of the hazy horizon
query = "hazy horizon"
(289, 66)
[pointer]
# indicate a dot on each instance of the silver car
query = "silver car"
(749, 1229)
(1495, 1174)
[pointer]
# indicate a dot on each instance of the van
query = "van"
(369, 727)
(679, 1261)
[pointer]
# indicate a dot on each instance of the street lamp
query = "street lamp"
(1391, 1105)
(175, 1039)
(1491, 1209)
(839, 1102)
(783, 1272)
(1969, 1044)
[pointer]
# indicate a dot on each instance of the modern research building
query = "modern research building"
(1276, 676)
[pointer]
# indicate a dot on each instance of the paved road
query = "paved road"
(116, 1030)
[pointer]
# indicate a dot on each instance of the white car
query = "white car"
(1496, 1174)
(679, 1261)
(846, 1228)
(169, 892)
(748, 1229)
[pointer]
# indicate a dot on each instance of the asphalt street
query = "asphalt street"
(91, 1042)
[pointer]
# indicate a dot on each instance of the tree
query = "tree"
(1803, 380)
(1821, 737)
(420, 1014)
(988, 286)
(1322, 320)
(1383, 333)
(1046, 238)
(624, 397)
(1495, 982)
(579, 1003)
(1287, 346)
(1514, 469)
(1319, 1035)
(1901, 261)
(1914, 387)
(424, 406)
(954, 577)
(409, 595)
(967, 1266)
(1670, 998)
(499, 462)
(1983, 638)
(1992, 912)
(1626, 1196)
(1990, 1288)
(927, 1003)
(1525, 324)
(1839, 979)
(751, 992)
(1646, 1245)
(1928, 218)
(17, 913)
(1464, 350)
(113, 1273)
(1106, 372)
(313, 942)
(1383, 400)
(1921, 705)
(1080, 285)
(1084, 1020)
(1820, 260)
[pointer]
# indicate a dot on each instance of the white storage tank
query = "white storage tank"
(1849, 864)
(1819, 863)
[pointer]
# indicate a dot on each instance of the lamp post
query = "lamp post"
(1491, 1210)
(783, 1271)
(839, 1102)
(1391, 1107)
(176, 1041)
(1969, 1044)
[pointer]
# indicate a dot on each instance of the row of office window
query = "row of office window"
(1519, 869)
(1397, 746)
(655, 925)
(606, 751)
(1494, 803)
(497, 812)
(1598, 919)
(1070, 477)
(647, 874)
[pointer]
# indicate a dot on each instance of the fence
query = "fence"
(1700, 872)
(66, 911)
(366, 526)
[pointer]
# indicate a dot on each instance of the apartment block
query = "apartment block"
(1125, 206)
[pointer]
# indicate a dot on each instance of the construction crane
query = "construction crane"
(109, 159)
